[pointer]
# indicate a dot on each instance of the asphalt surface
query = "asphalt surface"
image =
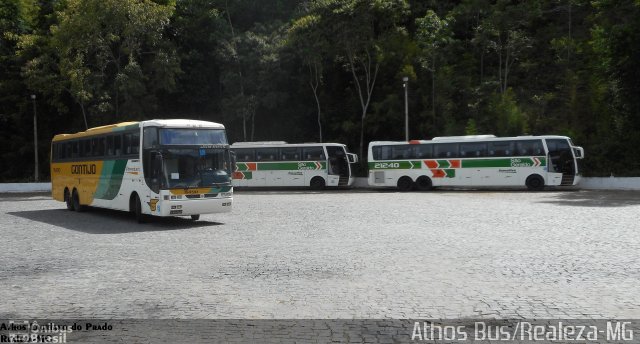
(333, 254)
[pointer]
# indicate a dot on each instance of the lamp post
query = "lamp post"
(35, 136)
(405, 85)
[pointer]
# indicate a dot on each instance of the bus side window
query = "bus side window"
(126, 144)
(375, 152)
(54, 152)
(67, 150)
(402, 151)
(289, 154)
(110, 148)
(75, 149)
(135, 143)
(446, 150)
(98, 146)
(266, 154)
(117, 145)
(424, 151)
(313, 153)
(244, 155)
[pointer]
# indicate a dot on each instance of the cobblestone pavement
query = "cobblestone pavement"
(295, 254)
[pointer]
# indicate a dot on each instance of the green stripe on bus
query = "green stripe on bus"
(443, 163)
(241, 166)
(508, 162)
(295, 166)
(110, 179)
(464, 163)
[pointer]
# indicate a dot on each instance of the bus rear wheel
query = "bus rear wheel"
(76, 201)
(68, 200)
(423, 183)
(535, 182)
(317, 183)
(405, 184)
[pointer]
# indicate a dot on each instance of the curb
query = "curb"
(594, 183)
(24, 187)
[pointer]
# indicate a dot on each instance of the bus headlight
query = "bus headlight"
(226, 194)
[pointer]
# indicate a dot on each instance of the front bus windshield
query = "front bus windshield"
(195, 167)
(186, 158)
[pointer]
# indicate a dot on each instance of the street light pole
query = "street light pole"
(35, 136)
(405, 85)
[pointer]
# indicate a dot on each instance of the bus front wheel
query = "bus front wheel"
(136, 208)
(195, 217)
(424, 183)
(405, 184)
(535, 182)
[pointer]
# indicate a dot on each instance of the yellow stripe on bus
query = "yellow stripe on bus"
(81, 175)
(189, 191)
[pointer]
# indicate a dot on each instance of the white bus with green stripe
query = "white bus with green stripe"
(475, 161)
(168, 167)
(280, 164)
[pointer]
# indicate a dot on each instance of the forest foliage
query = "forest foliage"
(325, 70)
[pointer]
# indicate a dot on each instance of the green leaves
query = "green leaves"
(113, 55)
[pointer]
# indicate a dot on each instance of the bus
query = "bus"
(477, 160)
(166, 167)
(280, 164)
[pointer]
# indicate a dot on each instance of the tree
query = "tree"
(432, 34)
(358, 30)
(113, 56)
(504, 33)
(312, 47)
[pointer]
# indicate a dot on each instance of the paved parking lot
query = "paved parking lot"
(329, 254)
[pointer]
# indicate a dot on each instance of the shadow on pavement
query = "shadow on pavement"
(106, 221)
(607, 199)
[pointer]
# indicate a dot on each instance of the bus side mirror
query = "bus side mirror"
(156, 171)
(352, 158)
(232, 157)
(579, 152)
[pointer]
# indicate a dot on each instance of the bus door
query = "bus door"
(338, 163)
(561, 159)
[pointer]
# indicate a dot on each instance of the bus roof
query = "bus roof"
(280, 144)
(468, 138)
(168, 123)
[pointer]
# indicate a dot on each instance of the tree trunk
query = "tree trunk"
(433, 90)
(233, 42)
(84, 115)
(314, 83)
(370, 84)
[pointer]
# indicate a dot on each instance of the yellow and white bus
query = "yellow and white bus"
(168, 167)
(279, 164)
(477, 160)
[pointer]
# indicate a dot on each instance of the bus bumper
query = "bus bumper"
(193, 206)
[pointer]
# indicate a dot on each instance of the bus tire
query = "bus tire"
(423, 183)
(136, 208)
(535, 182)
(68, 200)
(76, 201)
(405, 184)
(317, 183)
(195, 217)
